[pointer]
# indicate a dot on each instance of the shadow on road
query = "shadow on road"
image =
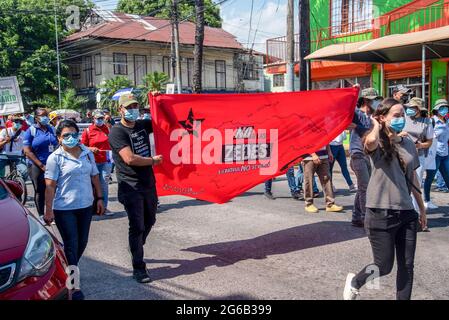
(280, 242)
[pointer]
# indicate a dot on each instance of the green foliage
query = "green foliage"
(109, 88)
(186, 9)
(27, 44)
(152, 82)
(69, 100)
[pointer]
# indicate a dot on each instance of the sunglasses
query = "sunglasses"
(74, 135)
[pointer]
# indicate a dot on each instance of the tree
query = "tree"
(109, 88)
(27, 44)
(152, 82)
(69, 100)
(161, 9)
(198, 49)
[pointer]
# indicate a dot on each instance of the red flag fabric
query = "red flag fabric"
(217, 146)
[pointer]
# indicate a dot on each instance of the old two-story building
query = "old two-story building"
(117, 44)
(351, 21)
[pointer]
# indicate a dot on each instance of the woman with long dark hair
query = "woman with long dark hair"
(391, 221)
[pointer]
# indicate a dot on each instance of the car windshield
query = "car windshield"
(3, 192)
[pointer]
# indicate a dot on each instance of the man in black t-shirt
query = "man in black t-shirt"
(129, 140)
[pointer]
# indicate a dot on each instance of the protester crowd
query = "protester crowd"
(396, 150)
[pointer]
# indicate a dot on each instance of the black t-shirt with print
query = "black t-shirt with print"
(132, 178)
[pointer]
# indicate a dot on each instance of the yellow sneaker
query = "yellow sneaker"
(334, 208)
(311, 209)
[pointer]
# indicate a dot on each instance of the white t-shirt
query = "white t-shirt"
(338, 141)
(17, 145)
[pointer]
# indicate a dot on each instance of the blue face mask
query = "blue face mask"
(410, 112)
(132, 115)
(30, 120)
(146, 116)
(44, 120)
(71, 141)
(397, 124)
(375, 104)
(443, 111)
(99, 122)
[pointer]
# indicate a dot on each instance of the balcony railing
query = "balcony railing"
(404, 20)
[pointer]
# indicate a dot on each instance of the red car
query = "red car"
(32, 261)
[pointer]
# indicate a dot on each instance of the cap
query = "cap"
(440, 103)
(98, 114)
(52, 115)
(402, 89)
(416, 102)
(370, 93)
(127, 99)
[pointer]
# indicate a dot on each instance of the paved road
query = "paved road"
(253, 248)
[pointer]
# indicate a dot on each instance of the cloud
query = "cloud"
(272, 23)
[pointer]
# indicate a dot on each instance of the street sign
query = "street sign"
(10, 98)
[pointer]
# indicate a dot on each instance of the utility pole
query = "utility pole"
(304, 44)
(57, 56)
(198, 49)
(177, 56)
(289, 75)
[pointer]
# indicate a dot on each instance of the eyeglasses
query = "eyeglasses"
(74, 135)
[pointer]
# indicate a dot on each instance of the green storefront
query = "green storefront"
(343, 21)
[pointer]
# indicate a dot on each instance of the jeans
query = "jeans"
(105, 173)
(389, 231)
(442, 164)
(300, 179)
(440, 181)
(38, 180)
(74, 226)
(340, 156)
(141, 208)
(21, 166)
(290, 179)
(361, 166)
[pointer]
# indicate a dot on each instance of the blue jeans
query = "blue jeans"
(442, 164)
(300, 179)
(105, 172)
(74, 225)
(20, 165)
(290, 179)
(340, 156)
(440, 181)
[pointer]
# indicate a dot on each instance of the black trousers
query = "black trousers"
(141, 207)
(38, 180)
(391, 231)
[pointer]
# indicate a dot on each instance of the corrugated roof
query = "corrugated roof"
(154, 29)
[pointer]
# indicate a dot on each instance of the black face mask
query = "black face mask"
(404, 99)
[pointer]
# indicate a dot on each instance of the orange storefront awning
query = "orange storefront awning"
(328, 70)
(402, 70)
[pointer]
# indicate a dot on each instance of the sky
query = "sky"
(267, 20)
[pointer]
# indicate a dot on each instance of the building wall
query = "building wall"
(320, 26)
(154, 57)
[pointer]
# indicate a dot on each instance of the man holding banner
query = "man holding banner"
(131, 152)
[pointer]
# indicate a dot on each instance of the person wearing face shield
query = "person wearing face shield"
(39, 142)
(95, 137)
(441, 137)
(368, 102)
(420, 130)
(131, 152)
(11, 144)
(402, 94)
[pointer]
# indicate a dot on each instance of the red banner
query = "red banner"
(217, 146)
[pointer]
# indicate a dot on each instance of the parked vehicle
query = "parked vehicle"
(32, 261)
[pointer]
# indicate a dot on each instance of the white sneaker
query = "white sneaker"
(429, 205)
(108, 212)
(350, 293)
